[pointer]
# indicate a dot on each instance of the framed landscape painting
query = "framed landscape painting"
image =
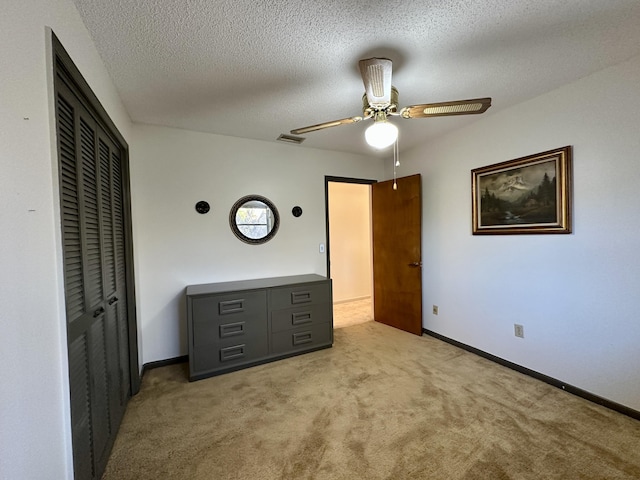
(526, 195)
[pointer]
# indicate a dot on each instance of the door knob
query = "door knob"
(415, 264)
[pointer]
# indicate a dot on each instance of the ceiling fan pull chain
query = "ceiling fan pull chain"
(396, 162)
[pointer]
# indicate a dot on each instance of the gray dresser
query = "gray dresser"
(234, 325)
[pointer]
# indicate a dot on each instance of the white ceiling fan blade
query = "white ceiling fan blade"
(320, 126)
(459, 107)
(376, 76)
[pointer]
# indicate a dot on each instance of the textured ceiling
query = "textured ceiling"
(259, 68)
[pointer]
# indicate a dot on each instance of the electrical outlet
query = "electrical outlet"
(435, 309)
(518, 330)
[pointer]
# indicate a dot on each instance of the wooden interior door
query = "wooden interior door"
(397, 259)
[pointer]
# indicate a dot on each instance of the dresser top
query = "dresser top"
(222, 287)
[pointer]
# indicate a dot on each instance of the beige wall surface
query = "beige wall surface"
(350, 240)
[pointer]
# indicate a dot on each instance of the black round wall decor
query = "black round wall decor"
(297, 211)
(202, 207)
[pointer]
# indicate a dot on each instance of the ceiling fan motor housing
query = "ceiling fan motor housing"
(391, 108)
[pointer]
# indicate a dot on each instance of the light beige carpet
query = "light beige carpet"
(381, 404)
(346, 314)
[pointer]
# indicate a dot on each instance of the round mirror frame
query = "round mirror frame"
(234, 227)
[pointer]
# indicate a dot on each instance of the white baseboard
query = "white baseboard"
(351, 300)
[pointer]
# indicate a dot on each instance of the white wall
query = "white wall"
(35, 439)
(350, 240)
(173, 169)
(576, 295)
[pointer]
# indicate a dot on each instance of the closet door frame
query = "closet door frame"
(62, 63)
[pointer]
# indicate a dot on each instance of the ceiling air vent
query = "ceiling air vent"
(290, 139)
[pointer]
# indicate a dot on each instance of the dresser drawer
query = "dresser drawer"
(288, 318)
(302, 338)
(217, 356)
(237, 330)
(298, 295)
(230, 307)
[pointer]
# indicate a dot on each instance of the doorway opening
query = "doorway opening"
(349, 249)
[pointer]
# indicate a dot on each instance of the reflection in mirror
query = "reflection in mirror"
(254, 219)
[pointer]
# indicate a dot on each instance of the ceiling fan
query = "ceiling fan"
(380, 101)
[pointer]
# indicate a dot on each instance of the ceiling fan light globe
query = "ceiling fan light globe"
(381, 134)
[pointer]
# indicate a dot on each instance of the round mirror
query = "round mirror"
(254, 219)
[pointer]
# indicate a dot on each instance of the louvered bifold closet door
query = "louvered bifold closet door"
(79, 376)
(90, 213)
(111, 228)
(120, 275)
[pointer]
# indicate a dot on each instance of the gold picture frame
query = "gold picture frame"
(526, 195)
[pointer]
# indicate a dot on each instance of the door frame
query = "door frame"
(63, 66)
(327, 179)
